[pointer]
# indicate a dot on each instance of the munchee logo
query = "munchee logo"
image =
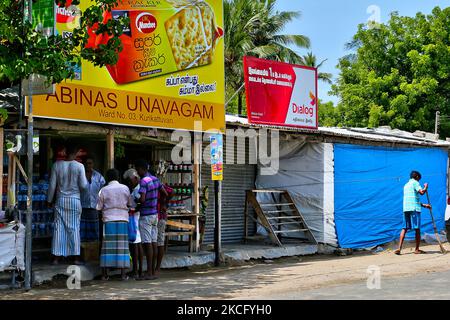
(145, 22)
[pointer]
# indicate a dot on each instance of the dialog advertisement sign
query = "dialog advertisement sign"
(281, 94)
(216, 156)
(169, 74)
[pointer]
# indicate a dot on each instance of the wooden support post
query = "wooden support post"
(196, 182)
(13, 179)
(2, 147)
(17, 163)
(10, 180)
(110, 149)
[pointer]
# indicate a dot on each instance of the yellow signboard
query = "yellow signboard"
(170, 73)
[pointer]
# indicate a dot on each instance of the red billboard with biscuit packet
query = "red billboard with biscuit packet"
(281, 94)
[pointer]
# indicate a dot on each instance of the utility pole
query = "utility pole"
(437, 122)
(217, 220)
(29, 214)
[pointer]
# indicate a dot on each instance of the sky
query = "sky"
(330, 24)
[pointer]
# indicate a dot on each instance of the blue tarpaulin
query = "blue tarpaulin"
(368, 191)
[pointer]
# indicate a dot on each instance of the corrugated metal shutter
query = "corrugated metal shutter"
(237, 179)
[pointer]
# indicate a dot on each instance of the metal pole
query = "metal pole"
(437, 122)
(28, 234)
(30, 198)
(217, 218)
(234, 94)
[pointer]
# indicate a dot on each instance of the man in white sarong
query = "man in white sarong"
(67, 181)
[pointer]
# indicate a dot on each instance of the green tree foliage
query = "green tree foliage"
(253, 27)
(328, 115)
(399, 75)
(25, 51)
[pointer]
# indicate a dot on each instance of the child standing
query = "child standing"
(132, 179)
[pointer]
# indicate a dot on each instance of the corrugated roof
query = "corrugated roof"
(381, 134)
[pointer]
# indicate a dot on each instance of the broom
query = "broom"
(443, 251)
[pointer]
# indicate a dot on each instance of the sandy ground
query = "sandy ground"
(262, 280)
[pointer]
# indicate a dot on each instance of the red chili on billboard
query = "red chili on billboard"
(281, 94)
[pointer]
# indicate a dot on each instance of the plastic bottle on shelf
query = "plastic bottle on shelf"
(35, 205)
(43, 201)
(42, 229)
(51, 227)
(50, 217)
(40, 217)
(38, 201)
(19, 202)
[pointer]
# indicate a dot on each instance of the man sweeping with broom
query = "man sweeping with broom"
(412, 208)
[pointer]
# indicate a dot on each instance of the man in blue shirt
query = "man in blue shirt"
(412, 208)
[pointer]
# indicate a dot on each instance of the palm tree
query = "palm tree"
(269, 43)
(253, 27)
(238, 20)
(310, 60)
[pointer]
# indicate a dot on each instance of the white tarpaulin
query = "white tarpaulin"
(12, 245)
(306, 172)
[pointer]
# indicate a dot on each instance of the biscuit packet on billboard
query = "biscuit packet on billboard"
(165, 37)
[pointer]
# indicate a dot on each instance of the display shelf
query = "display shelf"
(43, 237)
(181, 215)
(179, 171)
(181, 195)
(40, 250)
(180, 178)
(38, 211)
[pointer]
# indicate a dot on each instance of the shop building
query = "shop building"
(348, 182)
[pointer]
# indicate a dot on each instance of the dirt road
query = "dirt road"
(283, 278)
